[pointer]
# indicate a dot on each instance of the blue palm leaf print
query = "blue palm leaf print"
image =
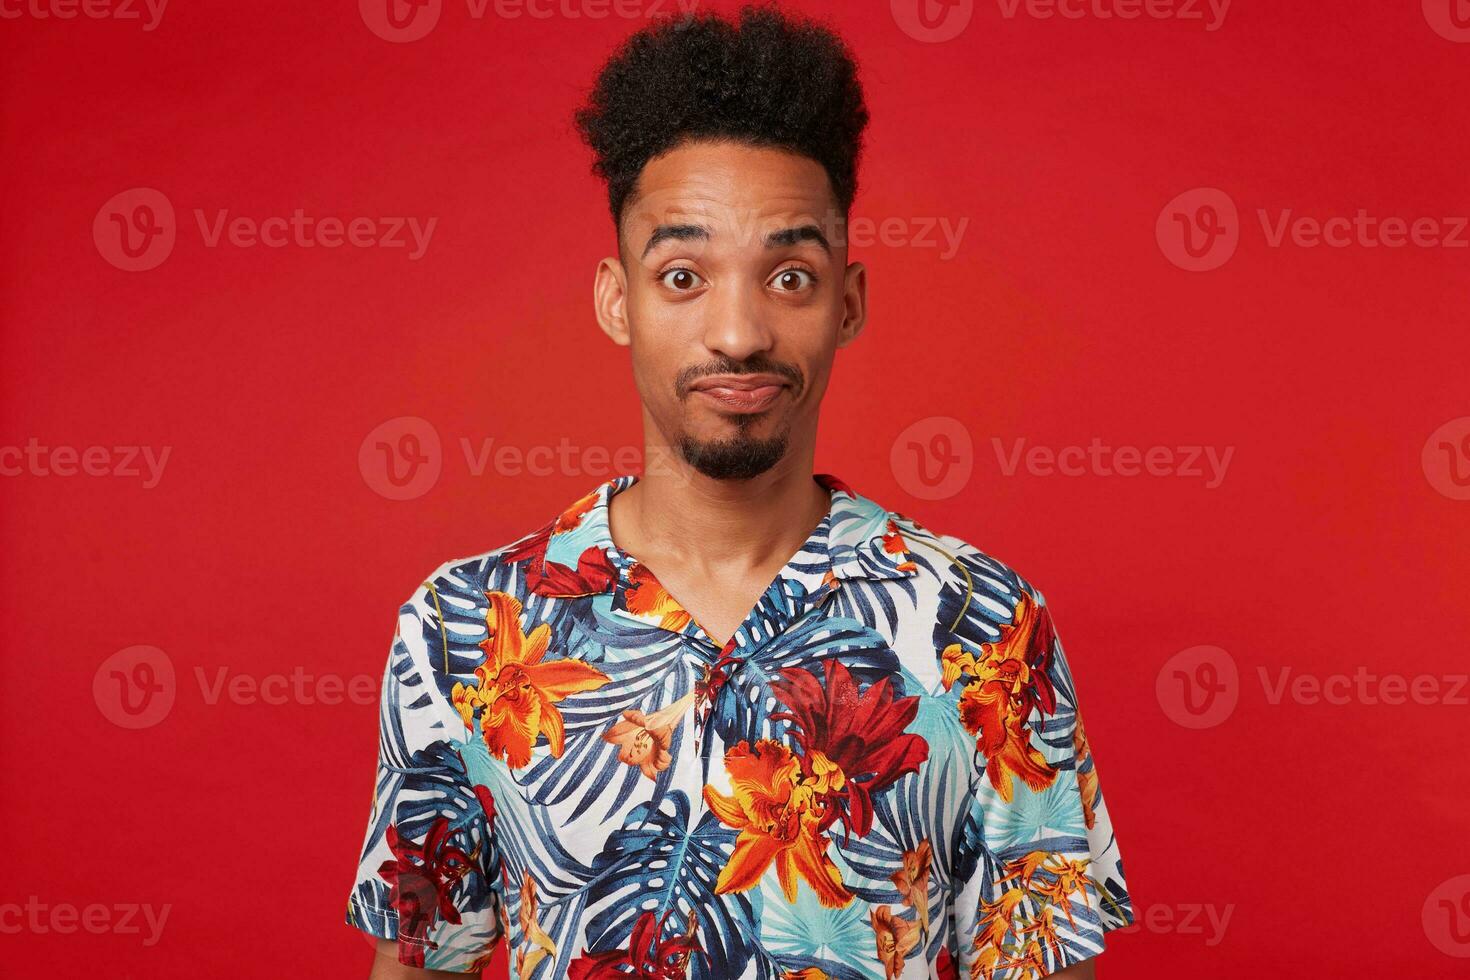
(657, 862)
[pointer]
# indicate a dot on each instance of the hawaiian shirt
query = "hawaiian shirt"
(882, 775)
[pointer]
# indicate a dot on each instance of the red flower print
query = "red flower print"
(944, 966)
(594, 573)
(855, 743)
(649, 956)
(421, 878)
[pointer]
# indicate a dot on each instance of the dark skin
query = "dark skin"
(763, 274)
(727, 253)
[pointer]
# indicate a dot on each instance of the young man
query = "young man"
(730, 719)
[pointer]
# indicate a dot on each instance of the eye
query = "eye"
(793, 280)
(681, 280)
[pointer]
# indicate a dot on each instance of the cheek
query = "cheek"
(817, 371)
(663, 341)
(654, 369)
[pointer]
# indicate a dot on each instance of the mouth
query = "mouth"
(742, 394)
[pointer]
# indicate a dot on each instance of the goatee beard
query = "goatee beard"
(739, 457)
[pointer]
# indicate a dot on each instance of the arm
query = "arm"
(387, 967)
(427, 872)
(1043, 903)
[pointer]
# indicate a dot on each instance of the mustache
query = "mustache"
(728, 365)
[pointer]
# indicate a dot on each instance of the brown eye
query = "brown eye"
(793, 280)
(681, 280)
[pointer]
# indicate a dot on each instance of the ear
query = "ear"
(609, 300)
(855, 304)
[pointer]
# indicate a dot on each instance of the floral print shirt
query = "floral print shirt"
(881, 775)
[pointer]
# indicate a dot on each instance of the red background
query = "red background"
(264, 548)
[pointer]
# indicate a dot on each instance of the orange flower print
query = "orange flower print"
(643, 740)
(912, 882)
(1048, 878)
(646, 597)
(1024, 868)
(778, 813)
(1069, 878)
(957, 662)
(806, 973)
(1007, 681)
(1017, 930)
(986, 962)
(571, 518)
(986, 710)
(1045, 928)
(538, 945)
(1086, 781)
(893, 544)
(896, 938)
(995, 919)
(515, 693)
(1031, 962)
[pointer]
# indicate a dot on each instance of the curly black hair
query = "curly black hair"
(771, 80)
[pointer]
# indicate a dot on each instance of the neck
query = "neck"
(676, 512)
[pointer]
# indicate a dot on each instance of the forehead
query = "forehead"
(728, 186)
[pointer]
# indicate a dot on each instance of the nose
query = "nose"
(736, 327)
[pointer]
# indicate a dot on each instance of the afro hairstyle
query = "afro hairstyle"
(770, 80)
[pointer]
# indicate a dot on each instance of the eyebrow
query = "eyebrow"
(776, 239)
(801, 233)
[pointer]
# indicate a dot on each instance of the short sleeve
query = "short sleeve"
(1038, 875)
(427, 876)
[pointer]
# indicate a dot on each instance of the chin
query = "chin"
(738, 457)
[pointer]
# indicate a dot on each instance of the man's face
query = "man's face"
(734, 293)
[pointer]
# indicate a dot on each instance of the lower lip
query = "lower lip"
(744, 401)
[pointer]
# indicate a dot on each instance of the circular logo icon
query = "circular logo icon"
(401, 459)
(1198, 687)
(1199, 230)
(135, 230)
(1446, 459)
(400, 21)
(135, 687)
(1449, 18)
(933, 458)
(1446, 917)
(932, 21)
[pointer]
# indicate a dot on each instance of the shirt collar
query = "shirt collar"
(575, 555)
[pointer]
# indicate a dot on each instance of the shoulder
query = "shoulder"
(463, 577)
(975, 595)
(449, 602)
(947, 560)
(559, 560)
